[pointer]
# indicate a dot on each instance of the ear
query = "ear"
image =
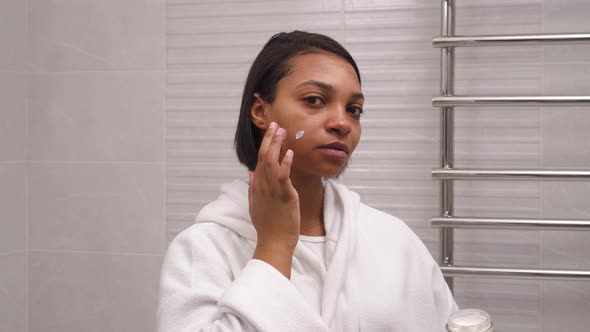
(259, 113)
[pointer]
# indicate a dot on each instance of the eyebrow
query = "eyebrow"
(329, 88)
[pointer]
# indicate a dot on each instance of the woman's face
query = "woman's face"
(321, 96)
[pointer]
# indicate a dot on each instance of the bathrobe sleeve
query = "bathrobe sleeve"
(443, 301)
(443, 298)
(197, 292)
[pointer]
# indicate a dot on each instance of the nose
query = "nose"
(339, 121)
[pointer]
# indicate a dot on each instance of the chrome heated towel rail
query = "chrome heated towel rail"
(447, 173)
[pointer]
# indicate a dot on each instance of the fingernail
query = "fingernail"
(280, 131)
(272, 125)
(289, 153)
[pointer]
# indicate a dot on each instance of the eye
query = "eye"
(314, 100)
(355, 110)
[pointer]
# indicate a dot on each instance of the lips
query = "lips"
(336, 146)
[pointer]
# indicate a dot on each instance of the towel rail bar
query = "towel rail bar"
(509, 174)
(511, 223)
(512, 40)
(474, 101)
(511, 273)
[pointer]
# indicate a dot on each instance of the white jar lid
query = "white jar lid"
(470, 320)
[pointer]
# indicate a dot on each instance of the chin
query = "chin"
(333, 173)
(321, 169)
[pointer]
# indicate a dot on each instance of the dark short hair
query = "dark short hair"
(269, 67)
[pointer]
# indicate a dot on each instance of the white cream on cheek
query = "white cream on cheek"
(299, 134)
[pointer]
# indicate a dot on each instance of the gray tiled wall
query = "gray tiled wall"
(96, 183)
(13, 167)
(565, 306)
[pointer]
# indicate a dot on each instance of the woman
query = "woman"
(292, 249)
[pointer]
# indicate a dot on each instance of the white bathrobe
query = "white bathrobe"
(378, 275)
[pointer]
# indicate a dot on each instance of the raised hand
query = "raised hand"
(274, 202)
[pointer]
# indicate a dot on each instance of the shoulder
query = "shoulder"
(380, 221)
(205, 235)
(204, 250)
(199, 232)
(392, 231)
(203, 241)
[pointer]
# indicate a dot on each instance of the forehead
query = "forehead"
(323, 67)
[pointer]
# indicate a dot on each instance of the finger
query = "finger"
(284, 175)
(272, 159)
(263, 151)
(266, 140)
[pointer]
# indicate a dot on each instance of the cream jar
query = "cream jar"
(470, 320)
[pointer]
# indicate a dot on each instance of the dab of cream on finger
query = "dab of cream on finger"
(299, 134)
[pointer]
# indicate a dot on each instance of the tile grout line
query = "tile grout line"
(28, 175)
(91, 252)
(541, 147)
(13, 252)
(94, 162)
(165, 124)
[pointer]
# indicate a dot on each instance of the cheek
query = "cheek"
(301, 147)
(297, 128)
(292, 143)
(356, 138)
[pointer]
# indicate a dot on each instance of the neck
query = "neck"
(311, 203)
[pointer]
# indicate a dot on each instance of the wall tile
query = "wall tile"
(196, 8)
(497, 248)
(482, 17)
(566, 249)
(512, 304)
(13, 35)
(566, 142)
(565, 305)
(91, 35)
(13, 292)
(189, 187)
(420, 4)
(391, 37)
(71, 292)
(566, 16)
(13, 117)
(97, 207)
(13, 204)
(499, 79)
(97, 116)
(566, 78)
(361, 5)
(210, 35)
